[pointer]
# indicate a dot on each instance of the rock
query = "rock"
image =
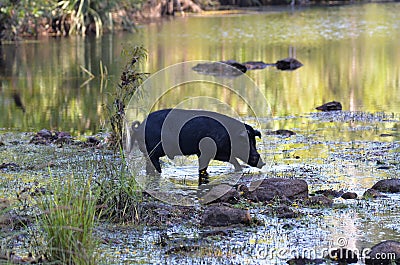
(282, 132)
(222, 68)
(220, 193)
(222, 215)
(384, 253)
(386, 135)
(387, 185)
(343, 256)
(288, 64)
(251, 65)
(277, 188)
(319, 201)
(45, 136)
(373, 194)
(281, 211)
(330, 193)
(349, 195)
(330, 106)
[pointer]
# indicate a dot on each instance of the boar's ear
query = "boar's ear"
(257, 133)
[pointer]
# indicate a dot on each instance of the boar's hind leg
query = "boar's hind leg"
(152, 165)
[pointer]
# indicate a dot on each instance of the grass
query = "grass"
(68, 217)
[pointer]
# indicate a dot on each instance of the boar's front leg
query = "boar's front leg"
(208, 150)
(152, 165)
(236, 164)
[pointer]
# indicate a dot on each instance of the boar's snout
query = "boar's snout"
(256, 161)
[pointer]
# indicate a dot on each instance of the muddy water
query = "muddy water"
(350, 54)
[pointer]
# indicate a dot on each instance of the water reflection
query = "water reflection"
(350, 54)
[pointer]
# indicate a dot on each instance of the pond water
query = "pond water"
(350, 54)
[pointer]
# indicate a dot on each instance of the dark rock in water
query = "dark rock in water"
(277, 188)
(349, 195)
(373, 194)
(222, 215)
(282, 132)
(330, 106)
(384, 253)
(319, 201)
(288, 64)
(305, 261)
(386, 135)
(343, 256)
(47, 137)
(330, 193)
(251, 65)
(282, 211)
(220, 193)
(223, 68)
(387, 185)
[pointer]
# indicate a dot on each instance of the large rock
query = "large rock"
(277, 188)
(384, 253)
(222, 215)
(387, 185)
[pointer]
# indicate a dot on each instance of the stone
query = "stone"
(384, 253)
(387, 185)
(222, 215)
(277, 188)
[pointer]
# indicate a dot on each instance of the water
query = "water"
(350, 54)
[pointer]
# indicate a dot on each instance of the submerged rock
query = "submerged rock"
(255, 65)
(384, 253)
(277, 188)
(281, 132)
(288, 64)
(222, 68)
(349, 195)
(220, 193)
(387, 185)
(373, 194)
(222, 215)
(281, 211)
(45, 136)
(319, 201)
(330, 193)
(330, 106)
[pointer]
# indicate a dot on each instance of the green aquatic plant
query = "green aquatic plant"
(68, 217)
(131, 79)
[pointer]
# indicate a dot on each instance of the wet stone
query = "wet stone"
(222, 215)
(220, 193)
(384, 253)
(349, 195)
(282, 132)
(305, 261)
(282, 211)
(288, 64)
(387, 185)
(330, 193)
(373, 194)
(319, 201)
(277, 188)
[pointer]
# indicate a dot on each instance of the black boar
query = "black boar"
(209, 135)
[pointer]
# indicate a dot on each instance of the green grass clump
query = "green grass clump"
(68, 217)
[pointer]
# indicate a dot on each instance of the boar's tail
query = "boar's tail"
(132, 138)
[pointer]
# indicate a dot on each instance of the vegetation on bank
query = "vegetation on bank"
(23, 18)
